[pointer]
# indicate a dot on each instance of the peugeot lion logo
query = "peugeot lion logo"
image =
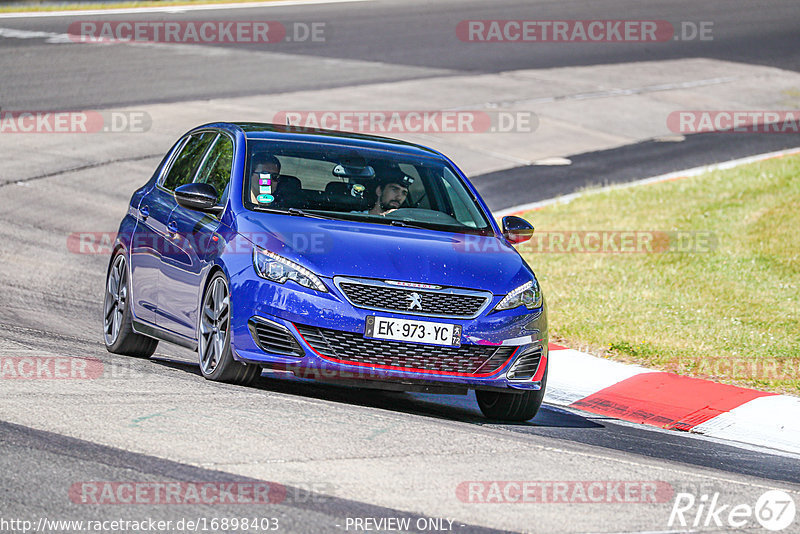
(416, 301)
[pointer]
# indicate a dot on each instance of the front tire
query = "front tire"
(515, 407)
(118, 333)
(214, 337)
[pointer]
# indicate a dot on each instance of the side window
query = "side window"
(185, 165)
(217, 167)
(464, 209)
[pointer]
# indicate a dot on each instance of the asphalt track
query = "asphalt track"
(33, 493)
(363, 453)
(505, 189)
(411, 39)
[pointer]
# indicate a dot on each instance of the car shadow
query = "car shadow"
(462, 408)
(180, 365)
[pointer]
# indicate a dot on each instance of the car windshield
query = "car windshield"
(342, 182)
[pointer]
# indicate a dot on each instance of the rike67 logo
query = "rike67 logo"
(774, 510)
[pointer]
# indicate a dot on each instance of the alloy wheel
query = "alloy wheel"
(214, 324)
(116, 299)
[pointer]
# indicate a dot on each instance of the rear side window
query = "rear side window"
(186, 162)
(216, 169)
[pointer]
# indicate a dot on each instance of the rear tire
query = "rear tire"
(118, 333)
(511, 406)
(214, 337)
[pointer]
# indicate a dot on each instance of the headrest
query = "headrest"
(339, 188)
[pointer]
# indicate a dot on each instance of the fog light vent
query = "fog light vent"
(274, 338)
(526, 365)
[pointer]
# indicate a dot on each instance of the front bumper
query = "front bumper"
(507, 340)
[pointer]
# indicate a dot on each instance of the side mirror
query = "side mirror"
(199, 197)
(516, 229)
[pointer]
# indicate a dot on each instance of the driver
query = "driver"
(391, 193)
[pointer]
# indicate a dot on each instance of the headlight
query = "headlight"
(278, 269)
(528, 295)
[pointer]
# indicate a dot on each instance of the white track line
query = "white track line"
(168, 9)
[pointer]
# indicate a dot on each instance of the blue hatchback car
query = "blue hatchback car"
(339, 257)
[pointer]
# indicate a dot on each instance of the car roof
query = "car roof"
(280, 132)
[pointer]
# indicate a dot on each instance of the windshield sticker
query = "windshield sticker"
(265, 199)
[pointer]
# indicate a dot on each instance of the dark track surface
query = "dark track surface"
(23, 452)
(407, 39)
(521, 185)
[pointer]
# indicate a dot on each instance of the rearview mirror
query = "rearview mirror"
(199, 197)
(516, 229)
(349, 171)
(353, 165)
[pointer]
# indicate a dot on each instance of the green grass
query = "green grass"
(729, 314)
(29, 6)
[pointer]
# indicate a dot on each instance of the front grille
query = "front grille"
(525, 366)
(433, 303)
(274, 338)
(354, 348)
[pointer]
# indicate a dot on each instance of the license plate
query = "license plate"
(428, 332)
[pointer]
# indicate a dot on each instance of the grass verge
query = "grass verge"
(718, 296)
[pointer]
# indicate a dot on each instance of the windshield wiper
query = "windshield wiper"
(297, 212)
(406, 224)
(267, 210)
(440, 227)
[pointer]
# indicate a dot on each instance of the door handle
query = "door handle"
(172, 228)
(144, 211)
